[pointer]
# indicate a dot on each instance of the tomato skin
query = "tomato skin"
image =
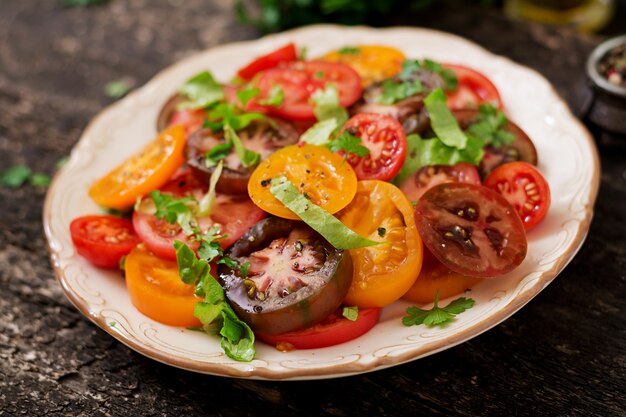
(525, 188)
(382, 273)
(425, 178)
(190, 119)
(471, 229)
(314, 170)
(372, 62)
(473, 89)
(384, 137)
(283, 54)
(156, 290)
(103, 239)
(299, 80)
(332, 331)
(143, 172)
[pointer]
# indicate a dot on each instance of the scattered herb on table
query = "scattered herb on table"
(117, 88)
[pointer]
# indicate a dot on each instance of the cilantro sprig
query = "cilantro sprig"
(436, 316)
(489, 126)
(349, 144)
(201, 91)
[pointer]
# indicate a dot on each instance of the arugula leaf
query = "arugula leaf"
(320, 133)
(247, 157)
(442, 120)
(247, 94)
(275, 97)
(489, 126)
(350, 144)
(320, 220)
(436, 316)
(349, 50)
(351, 313)
(175, 210)
(327, 105)
(201, 91)
(16, 176)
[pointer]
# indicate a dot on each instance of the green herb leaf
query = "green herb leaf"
(217, 154)
(225, 260)
(327, 105)
(205, 206)
(436, 316)
(247, 157)
(16, 176)
(175, 210)
(244, 268)
(442, 120)
(190, 269)
(61, 162)
(247, 94)
(320, 220)
(39, 179)
(394, 92)
(351, 313)
(210, 249)
(275, 97)
(489, 126)
(410, 67)
(320, 133)
(201, 91)
(302, 54)
(349, 50)
(116, 89)
(350, 144)
(227, 114)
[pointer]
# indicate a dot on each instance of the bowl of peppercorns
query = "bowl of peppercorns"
(606, 69)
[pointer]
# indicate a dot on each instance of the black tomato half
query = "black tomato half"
(295, 277)
(471, 229)
(261, 136)
(427, 177)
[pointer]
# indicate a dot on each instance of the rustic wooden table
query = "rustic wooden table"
(562, 354)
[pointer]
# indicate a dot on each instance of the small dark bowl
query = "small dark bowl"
(608, 108)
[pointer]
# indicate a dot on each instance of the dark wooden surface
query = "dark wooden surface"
(562, 354)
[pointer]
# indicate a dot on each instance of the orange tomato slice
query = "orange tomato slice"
(323, 176)
(143, 172)
(382, 273)
(371, 62)
(157, 291)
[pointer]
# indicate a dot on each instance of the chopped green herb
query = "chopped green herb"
(244, 268)
(349, 144)
(327, 105)
(226, 113)
(275, 97)
(116, 89)
(381, 231)
(205, 206)
(319, 75)
(175, 210)
(201, 91)
(61, 162)
(489, 126)
(247, 157)
(351, 313)
(349, 50)
(410, 67)
(320, 133)
(394, 92)
(436, 316)
(112, 324)
(217, 153)
(443, 121)
(320, 220)
(302, 54)
(247, 94)
(225, 260)
(16, 176)
(40, 180)
(210, 249)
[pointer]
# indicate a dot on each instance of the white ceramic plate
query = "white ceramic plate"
(567, 156)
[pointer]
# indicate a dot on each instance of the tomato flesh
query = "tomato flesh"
(525, 188)
(471, 229)
(425, 178)
(103, 239)
(334, 330)
(473, 89)
(384, 137)
(372, 62)
(283, 54)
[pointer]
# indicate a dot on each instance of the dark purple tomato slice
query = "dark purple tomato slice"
(471, 229)
(427, 177)
(190, 119)
(295, 277)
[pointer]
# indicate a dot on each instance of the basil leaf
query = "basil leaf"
(320, 220)
(201, 90)
(442, 120)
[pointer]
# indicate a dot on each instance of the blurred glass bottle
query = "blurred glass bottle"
(584, 15)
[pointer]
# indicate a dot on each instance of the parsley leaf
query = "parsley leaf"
(394, 92)
(489, 126)
(349, 144)
(247, 94)
(39, 179)
(226, 113)
(410, 67)
(225, 260)
(436, 316)
(244, 268)
(247, 157)
(351, 313)
(174, 210)
(217, 153)
(210, 249)
(16, 176)
(201, 91)
(116, 89)
(275, 97)
(349, 50)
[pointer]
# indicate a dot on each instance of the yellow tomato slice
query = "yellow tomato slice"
(323, 176)
(382, 273)
(143, 172)
(157, 291)
(371, 62)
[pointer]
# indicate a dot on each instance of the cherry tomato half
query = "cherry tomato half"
(382, 273)
(473, 89)
(300, 80)
(425, 178)
(103, 239)
(332, 331)
(156, 290)
(384, 137)
(471, 229)
(372, 62)
(285, 53)
(143, 172)
(314, 170)
(525, 188)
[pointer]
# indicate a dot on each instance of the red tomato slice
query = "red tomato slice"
(236, 214)
(332, 331)
(524, 187)
(299, 80)
(425, 178)
(384, 137)
(190, 119)
(473, 89)
(103, 239)
(471, 229)
(286, 53)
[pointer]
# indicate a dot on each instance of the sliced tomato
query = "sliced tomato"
(385, 140)
(371, 62)
(143, 172)
(382, 273)
(300, 80)
(471, 229)
(190, 119)
(427, 177)
(103, 239)
(235, 214)
(332, 331)
(314, 170)
(283, 54)
(434, 277)
(473, 89)
(525, 188)
(156, 290)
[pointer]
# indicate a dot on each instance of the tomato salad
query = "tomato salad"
(296, 201)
